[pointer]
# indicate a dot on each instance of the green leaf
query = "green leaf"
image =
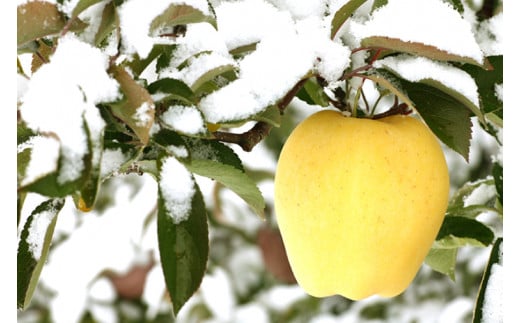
(343, 14)
(214, 160)
(234, 179)
(173, 90)
(109, 22)
(378, 4)
(177, 14)
(447, 117)
(490, 292)
(270, 115)
(498, 175)
(36, 238)
(486, 81)
(201, 149)
(313, 94)
(183, 248)
(415, 48)
(137, 108)
(457, 231)
(83, 5)
(443, 261)
(210, 75)
(87, 195)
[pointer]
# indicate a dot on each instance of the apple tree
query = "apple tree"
(180, 91)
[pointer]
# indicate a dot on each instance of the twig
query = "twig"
(246, 140)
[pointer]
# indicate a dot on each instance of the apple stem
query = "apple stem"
(396, 109)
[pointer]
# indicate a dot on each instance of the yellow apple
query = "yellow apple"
(359, 202)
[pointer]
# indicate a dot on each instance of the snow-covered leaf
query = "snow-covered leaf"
(210, 75)
(481, 192)
(488, 307)
(180, 14)
(47, 181)
(137, 107)
(186, 120)
(443, 261)
(343, 14)
(109, 22)
(201, 149)
(414, 27)
(167, 89)
(487, 80)
(447, 78)
(33, 248)
(83, 5)
(457, 231)
(182, 230)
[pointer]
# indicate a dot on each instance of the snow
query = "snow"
(98, 240)
(142, 114)
(302, 9)
(296, 47)
(69, 90)
(135, 19)
(184, 119)
(198, 66)
(490, 35)
(246, 22)
(422, 22)
(111, 160)
(44, 157)
(178, 151)
(492, 306)
(177, 188)
(421, 69)
(499, 92)
(37, 231)
(480, 195)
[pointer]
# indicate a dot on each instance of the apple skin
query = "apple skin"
(359, 202)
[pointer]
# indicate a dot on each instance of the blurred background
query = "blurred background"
(103, 265)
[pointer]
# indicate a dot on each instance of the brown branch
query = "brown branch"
(246, 140)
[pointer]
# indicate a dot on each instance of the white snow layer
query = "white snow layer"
(37, 232)
(184, 119)
(287, 50)
(177, 188)
(417, 69)
(137, 15)
(63, 92)
(490, 35)
(45, 152)
(431, 22)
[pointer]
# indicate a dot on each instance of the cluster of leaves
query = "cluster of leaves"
(150, 143)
